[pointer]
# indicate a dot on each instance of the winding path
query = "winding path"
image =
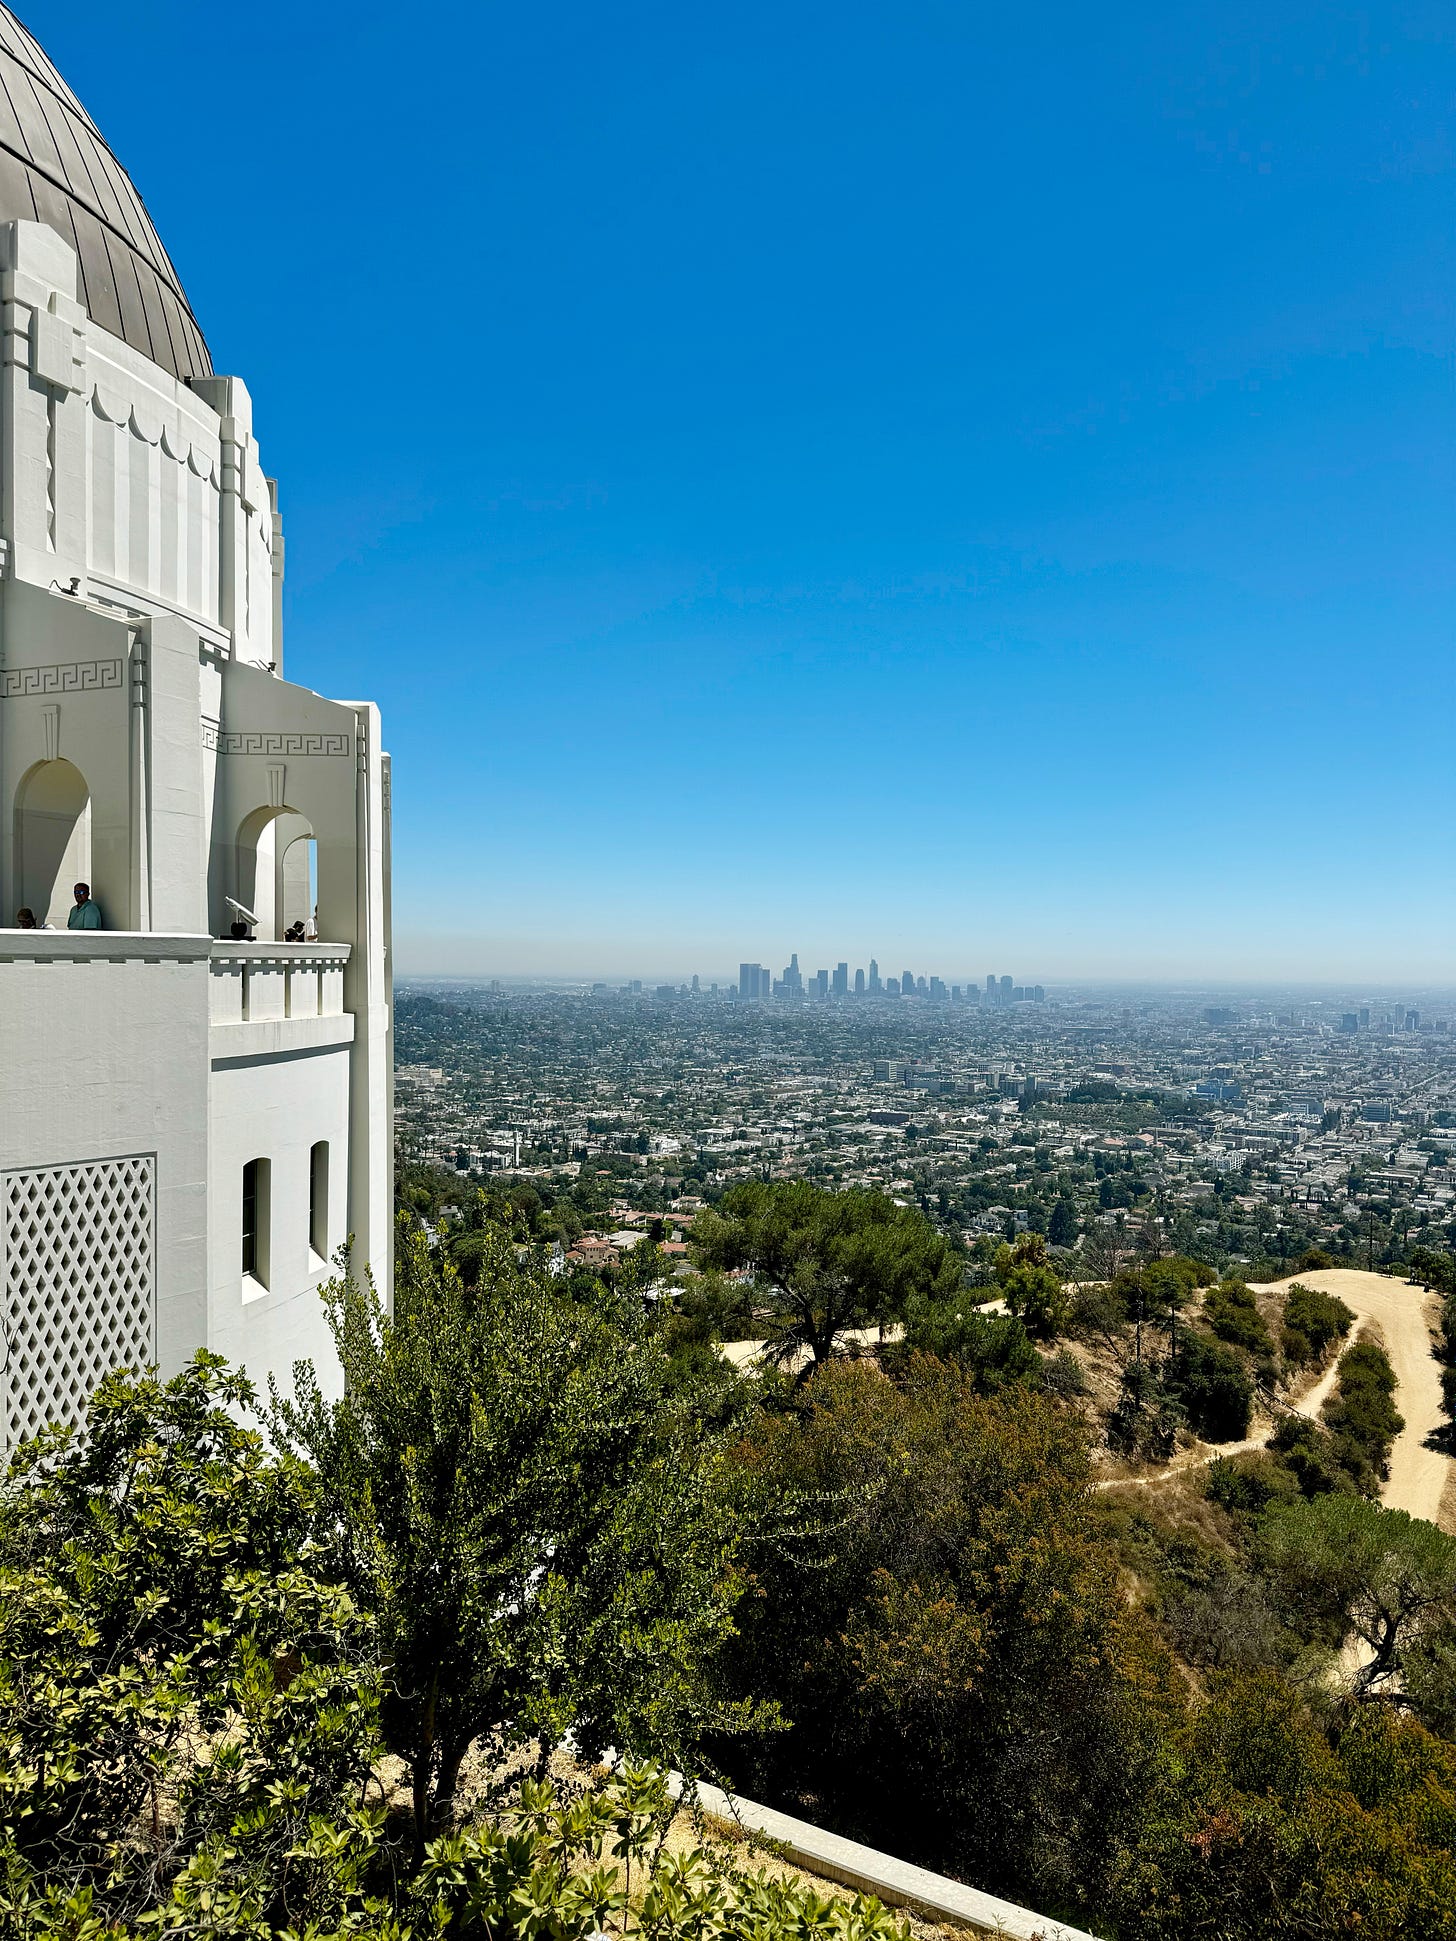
(1418, 1471)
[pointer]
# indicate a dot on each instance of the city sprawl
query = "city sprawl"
(1244, 1129)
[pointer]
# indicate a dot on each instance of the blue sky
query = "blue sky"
(969, 485)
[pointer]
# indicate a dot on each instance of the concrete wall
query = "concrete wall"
(104, 1053)
(274, 1106)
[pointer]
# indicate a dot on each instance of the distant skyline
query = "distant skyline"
(976, 478)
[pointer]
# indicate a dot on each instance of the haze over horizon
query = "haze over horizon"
(980, 482)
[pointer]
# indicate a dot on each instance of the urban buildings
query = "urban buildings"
(195, 1107)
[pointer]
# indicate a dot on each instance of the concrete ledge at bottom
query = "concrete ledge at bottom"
(895, 1882)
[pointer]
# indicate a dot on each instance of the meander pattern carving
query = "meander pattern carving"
(267, 741)
(76, 1269)
(69, 677)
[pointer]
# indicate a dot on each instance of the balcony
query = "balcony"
(276, 997)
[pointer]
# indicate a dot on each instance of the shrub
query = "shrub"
(1245, 1485)
(994, 1349)
(1147, 1417)
(1312, 1320)
(1362, 1418)
(1064, 1375)
(1214, 1387)
(1233, 1314)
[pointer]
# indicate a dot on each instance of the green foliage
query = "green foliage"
(966, 1683)
(1233, 1314)
(1246, 1484)
(1361, 1416)
(1310, 1456)
(1261, 1829)
(1312, 1321)
(1033, 1287)
(1064, 1228)
(994, 1349)
(515, 1488)
(1348, 1567)
(832, 1260)
(1147, 1416)
(1213, 1385)
(181, 1700)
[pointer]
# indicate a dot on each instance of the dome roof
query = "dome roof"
(56, 169)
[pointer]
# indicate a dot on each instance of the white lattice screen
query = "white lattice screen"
(76, 1273)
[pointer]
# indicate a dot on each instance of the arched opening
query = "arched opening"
(277, 871)
(52, 840)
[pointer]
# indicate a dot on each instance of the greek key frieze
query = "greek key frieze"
(268, 741)
(67, 677)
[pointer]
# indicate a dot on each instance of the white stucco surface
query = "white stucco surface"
(150, 746)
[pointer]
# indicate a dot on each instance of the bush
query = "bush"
(1233, 1314)
(1312, 1320)
(1147, 1417)
(967, 1682)
(994, 1349)
(1214, 1387)
(1311, 1456)
(1064, 1375)
(1362, 1418)
(1245, 1485)
(1261, 1829)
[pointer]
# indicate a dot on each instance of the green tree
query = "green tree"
(831, 1260)
(182, 1700)
(518, 1491)
(1213, 1385)
(1063, 1229)
(967, 1684)
(1351, 1568)
(1362, 1417)
(1033, 1288)
(993, 1348)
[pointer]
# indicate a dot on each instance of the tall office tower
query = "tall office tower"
(1364, 1017)
(793, 980)
(750, 977)
(892, 987)
(1008, 985)
(695, 985)
(907, 982)
(821, 983)
(937, 988)
(859, 983)
(991, 984)
(189, 1127)
(875, 985)
(841, 980)
(921, 988)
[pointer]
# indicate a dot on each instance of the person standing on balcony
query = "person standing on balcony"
(86, 915)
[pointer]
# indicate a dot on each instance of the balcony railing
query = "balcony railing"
(263, 982)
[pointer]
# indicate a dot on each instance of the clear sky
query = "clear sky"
(966, 484)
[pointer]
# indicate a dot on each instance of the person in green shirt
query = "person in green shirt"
(86, 915)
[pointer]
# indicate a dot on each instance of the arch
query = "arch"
(52, 839)
(275, 870)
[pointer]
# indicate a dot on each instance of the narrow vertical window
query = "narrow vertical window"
(318, 1199)
(255, 1220)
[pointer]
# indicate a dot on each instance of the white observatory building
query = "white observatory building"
(190, 1124)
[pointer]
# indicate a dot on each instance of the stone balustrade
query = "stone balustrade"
(258, 983)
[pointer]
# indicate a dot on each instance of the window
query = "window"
(318, 1199)
(255, 1220)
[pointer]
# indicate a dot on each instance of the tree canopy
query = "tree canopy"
(831, 1261)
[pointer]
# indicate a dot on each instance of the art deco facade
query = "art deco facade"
(190, 1125)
